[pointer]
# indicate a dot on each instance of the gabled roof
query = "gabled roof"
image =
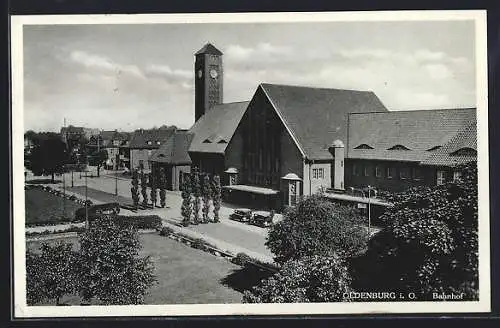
(449, 154)
(209, 49)
(217, 125)
(421, 132)
(148, 139)
(316, 117)
(175, 149)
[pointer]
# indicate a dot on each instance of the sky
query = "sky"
(134, 76)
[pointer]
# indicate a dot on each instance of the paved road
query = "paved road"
(240, 234)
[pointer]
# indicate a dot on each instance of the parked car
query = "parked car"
(241, 215)
(262, 218)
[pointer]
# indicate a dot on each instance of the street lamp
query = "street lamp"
(370, 189)
(86, 203)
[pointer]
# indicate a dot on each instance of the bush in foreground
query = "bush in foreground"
(309, 279)
(430, 244)
(51, 274)
(316, 226)
(111, 269)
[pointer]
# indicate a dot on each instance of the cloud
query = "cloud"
(93, 61)
(262, 51)
(438, 71)
(167, 71)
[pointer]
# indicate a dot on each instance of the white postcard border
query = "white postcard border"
(22, 310)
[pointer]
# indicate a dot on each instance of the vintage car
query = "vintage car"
(262, 218)
(241, 215)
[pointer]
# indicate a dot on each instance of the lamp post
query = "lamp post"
(370, 189)
(86, 204)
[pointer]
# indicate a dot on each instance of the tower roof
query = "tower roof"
(209, 49)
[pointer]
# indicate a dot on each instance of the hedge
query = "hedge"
(140, 221)
(95, 210)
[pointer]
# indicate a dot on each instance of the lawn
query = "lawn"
(101, 195)
(42, 206)
(185, 275)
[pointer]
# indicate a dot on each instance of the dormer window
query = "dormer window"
(158, 142)
(207, 141)
(150, 143)
(222, 141)
(434, 148)
(398, 147)
(465, 152)
(161, 155)
(364, 146)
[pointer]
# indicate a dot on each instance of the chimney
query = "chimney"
(337, 150)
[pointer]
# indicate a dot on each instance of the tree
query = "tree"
(111, 269)
(135, 188)
(316, 226)
(196, 188)
(48, 155)
(216, 196)
(186, 201)
(144, 188)
(51, 274)
(430, 244)
(98, 158)
(309, 279)
(162, 180)
(206, 193)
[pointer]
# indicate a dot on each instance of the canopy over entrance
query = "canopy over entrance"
(253, 189)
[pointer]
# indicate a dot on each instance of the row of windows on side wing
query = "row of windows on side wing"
(390, 172)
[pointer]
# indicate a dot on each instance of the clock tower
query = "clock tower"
(208, 79)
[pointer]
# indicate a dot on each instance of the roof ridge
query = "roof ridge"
(414, 110)
(263, 84)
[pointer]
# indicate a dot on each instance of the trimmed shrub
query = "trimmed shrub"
(166, 231)
(198, 243)
(97, 210)
(241, 259)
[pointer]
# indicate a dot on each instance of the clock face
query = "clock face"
(213, 73)
(200, 73)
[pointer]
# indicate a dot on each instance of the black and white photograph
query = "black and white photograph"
(227, 164)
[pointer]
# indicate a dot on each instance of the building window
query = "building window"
(355, 170)
(417, 175)
(457, 175)
(378, 171)
(404, 173)
(141, 164)
(149, 152)
(149, 142)
(318, 173)
(366, 171)
(341, 163)
(440, 178)
(157, 142)
(388, 172)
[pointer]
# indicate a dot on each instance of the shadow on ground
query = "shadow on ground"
(43, 181)
(245, 278)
